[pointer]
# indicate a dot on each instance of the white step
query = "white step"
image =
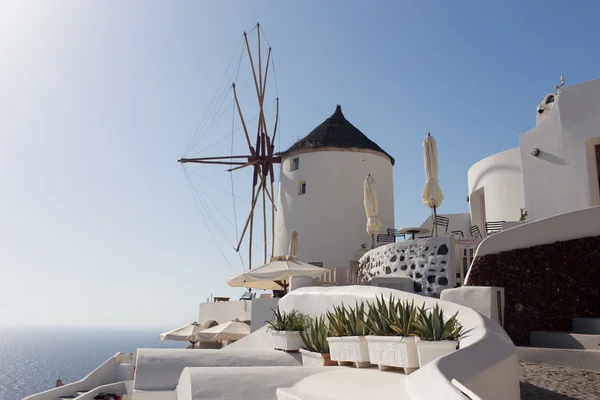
(564, 340)
(589, 326)
(347, 384)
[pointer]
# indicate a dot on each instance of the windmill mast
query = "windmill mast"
(261, 157)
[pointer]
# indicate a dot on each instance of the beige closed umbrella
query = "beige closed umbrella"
(432, 195)
(293, 250)
(371, 208)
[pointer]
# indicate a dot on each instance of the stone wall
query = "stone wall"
(545, 286)
(426, 262)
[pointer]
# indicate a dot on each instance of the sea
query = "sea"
(32, 359)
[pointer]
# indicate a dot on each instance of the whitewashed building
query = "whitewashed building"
(555, 169)
(321, 193)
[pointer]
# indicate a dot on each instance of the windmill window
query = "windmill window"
(295, 164)
(550, 99)
(302, 187)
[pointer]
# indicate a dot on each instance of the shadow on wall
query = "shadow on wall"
(546, 286)
(551, 158)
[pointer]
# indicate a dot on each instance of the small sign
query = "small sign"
(467, 243)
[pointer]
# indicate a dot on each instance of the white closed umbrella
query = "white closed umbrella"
(275, 274)
(371, 208)
(187, 333)
(232, 330)
(432, 195)
(293, 250)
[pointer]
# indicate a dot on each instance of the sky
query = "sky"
(98, 100)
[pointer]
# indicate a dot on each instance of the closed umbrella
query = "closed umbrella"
(232, 330)
(371, 208)
(187, 333)
(293, 250)
(432, 193)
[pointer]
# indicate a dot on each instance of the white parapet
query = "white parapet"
(240, 382)
(486, 300)
(160, 369)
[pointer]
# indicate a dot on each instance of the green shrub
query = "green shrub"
(315, 335)
(293, 321)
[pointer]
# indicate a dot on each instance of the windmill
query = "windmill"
(261, 157)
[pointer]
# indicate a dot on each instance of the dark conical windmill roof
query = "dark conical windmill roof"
(336, 131)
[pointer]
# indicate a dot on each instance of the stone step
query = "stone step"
(572, 358)
(589, 326)
(564, 340)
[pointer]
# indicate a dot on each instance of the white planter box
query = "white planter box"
(312, 359)
(286, 340)
(430, 350)
(394, 351)
(353, 349)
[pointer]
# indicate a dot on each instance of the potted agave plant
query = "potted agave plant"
(315, 352)
(438, 336)
(392, 343)
(347, 341)
(285, 329)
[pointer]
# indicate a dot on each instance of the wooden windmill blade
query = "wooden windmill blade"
(261, 155)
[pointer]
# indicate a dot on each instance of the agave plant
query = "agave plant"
(282, 321)
(356, 320)
(338, 321)
(379, 316)
(315, 336)
(432, 325)
(402, 321)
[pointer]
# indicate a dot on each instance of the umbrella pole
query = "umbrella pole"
(435, 221)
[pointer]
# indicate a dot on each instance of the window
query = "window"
(316, 264)
(302, 187)
(295, 164)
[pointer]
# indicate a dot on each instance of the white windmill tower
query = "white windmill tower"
(321, 193)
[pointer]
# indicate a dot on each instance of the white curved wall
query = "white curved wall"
(499, 179)
(486, 362)
(330, 218)
(563, 177)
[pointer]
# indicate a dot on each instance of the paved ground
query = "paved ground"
(549, 382)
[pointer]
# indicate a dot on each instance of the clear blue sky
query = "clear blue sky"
(99, 99)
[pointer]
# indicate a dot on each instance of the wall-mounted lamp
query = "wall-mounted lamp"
(535, 152)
